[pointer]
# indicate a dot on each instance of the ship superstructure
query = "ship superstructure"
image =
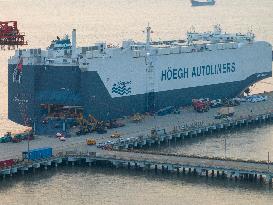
(112, 81)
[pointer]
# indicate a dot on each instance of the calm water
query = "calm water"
(114, 21)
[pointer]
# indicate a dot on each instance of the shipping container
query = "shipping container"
(37, 154)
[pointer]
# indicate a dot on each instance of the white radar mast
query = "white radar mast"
(150, 72)
(148, 37)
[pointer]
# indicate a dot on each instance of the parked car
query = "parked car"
(242, 99)
(90, 141)
(216, 103)
(256, 98)
(100, 145)
(62, 138)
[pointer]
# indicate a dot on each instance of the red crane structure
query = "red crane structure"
(10, 35)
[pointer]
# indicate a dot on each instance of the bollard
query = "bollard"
(261, 178)
(255, 177)
(194, 171)
(250, 177)
(162, 168)
(223, 174)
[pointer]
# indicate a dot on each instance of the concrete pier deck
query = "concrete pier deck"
(188, 123)
(201, 166)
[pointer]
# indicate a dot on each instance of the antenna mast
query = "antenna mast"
(148, 37)
(150, 73)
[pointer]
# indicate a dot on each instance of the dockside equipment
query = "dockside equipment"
(10, 35)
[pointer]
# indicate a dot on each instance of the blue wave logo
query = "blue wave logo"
(122, 88)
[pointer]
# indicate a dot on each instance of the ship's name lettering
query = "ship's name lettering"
(197, 71)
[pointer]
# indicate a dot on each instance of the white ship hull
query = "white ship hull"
(182, 70)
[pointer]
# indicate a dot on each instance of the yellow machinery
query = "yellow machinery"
(90, 142)
(115, 135)
(90, 124)
(137, 117)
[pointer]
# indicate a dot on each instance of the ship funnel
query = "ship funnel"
(74, 49)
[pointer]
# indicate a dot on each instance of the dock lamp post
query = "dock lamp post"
(268, 161)
(225, 148)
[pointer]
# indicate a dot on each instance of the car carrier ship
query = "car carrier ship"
(114, 81)
(202, 3)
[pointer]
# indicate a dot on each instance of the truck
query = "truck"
(225, 112)
(6, 138)
(166, 111)
(201, 105)
(6, 163)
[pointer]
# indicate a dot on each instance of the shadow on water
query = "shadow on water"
(47, 177)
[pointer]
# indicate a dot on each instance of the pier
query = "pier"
(126, 152)
(230, 169)
(180, 132)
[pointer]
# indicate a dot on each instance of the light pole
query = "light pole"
(268, 161)
(225, 148)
